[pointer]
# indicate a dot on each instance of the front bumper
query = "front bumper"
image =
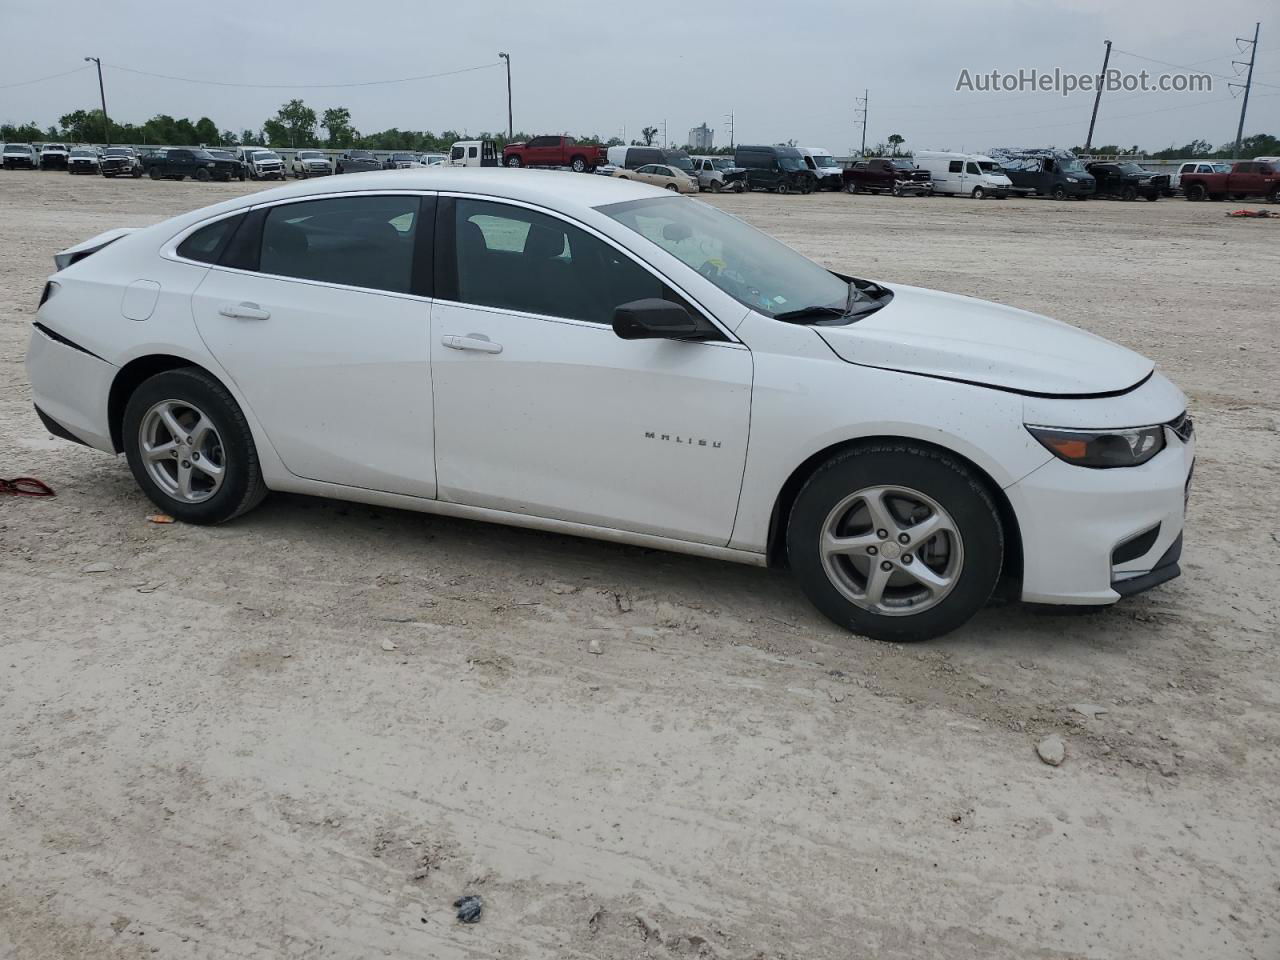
(1081, 528)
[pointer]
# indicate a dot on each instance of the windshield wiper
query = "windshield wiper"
(791, 316)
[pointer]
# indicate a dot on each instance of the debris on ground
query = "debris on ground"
(469, 908)
(160, 518)
(1089, 710)
(98, 566)
(389, 645)
(595, 646)
(1253, 214)
(1052, 750)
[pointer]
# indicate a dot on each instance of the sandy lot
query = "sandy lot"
(206, 751)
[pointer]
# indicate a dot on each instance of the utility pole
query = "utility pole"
(865, 100)
(511, 130)
(1253, 55)
(1097, 99)
(106, 123)
(728, 117)
(666, 144)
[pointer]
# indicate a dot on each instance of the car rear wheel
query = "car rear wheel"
(513, 161)
(578, 165)
(190, 448)
(155, 173)
(850, 187)
(895, 541)
(1059, 193)
(1196, 191)
(1129, 193)
(1275, 196)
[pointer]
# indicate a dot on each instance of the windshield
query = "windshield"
(1222, 168)
(1071, 165)
(119, 152)
(310, 155)
(791, 163)
(404, 158)
(16, 148)
(684, 163)
(824, 160)
(264, 155)
(1133, 170)
(55, 146)
(202, 154)
(987, 166)
(724, 163)
(360, 155)
(220, 154)
(83, 152)
(748, 265)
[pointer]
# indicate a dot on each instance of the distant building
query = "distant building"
(700, 138)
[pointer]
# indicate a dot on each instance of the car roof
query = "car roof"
(567, 192)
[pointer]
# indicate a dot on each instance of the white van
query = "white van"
(964, 174)
(473, 153)
(829, 173)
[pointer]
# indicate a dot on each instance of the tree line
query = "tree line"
(297, 125)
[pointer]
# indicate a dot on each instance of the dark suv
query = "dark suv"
(121, 162)
(1128, 181)
(781, 169)
(357, 161)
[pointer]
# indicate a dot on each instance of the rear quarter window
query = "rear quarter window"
(207, 243)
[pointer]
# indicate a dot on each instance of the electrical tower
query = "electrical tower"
(1248, 83)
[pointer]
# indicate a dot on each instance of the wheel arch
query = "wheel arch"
(776, 548)
(129, 377)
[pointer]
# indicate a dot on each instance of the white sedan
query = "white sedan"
(588, 356)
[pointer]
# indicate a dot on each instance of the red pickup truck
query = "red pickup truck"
(554, 152)
(891, 174)
(1248, 178)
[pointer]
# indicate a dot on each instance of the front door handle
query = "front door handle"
(244, 311)
(472, 341)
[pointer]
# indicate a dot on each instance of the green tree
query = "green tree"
(248, 136)
(207, 132)
(337, 124)
(896, 140)
(228, 138)
(294, 125)
(649, 133)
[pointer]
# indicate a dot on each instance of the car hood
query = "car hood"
(973, 341)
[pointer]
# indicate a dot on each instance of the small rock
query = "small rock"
(837, 696)
(469, 908)
(495, 725)
(1090, 710)
(595, 646)
(388, 645)
(1052, 750)
(98, 566)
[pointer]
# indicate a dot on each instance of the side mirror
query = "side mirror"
(655, 319)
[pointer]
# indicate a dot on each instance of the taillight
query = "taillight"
(50, 289)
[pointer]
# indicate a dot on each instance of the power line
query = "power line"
(52, 76)
(1183, 66)
(305, 86)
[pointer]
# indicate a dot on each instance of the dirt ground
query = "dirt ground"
(210, 749)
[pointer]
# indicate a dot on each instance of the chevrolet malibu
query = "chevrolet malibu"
(601, 358)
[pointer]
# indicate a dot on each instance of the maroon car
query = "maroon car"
(554, 152)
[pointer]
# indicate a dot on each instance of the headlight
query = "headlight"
(1101, 449)
(1072, 180)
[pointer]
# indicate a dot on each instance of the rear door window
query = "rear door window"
(362, 241)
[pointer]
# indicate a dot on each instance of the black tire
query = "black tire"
(1196, 192)
(780, 188)
(242, 487)
(1153, 197)
(929, 471)
(578, 164)
(850, 187)
(978, 193)
(137, 173)
(1129, 193)
(1274, 196)
(513, 161)
(1059, 193)
(715, 186)
(673, 188)
(155, 173)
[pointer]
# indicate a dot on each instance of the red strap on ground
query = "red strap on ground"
(26, 487)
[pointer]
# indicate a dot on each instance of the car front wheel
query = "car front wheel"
(190, 448)
(896, 541)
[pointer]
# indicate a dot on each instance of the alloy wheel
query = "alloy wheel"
(182, 451)
(891, 550)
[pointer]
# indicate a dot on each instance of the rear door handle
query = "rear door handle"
(244, 311)
(472, 341)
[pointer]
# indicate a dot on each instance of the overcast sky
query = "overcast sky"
(786, 68)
